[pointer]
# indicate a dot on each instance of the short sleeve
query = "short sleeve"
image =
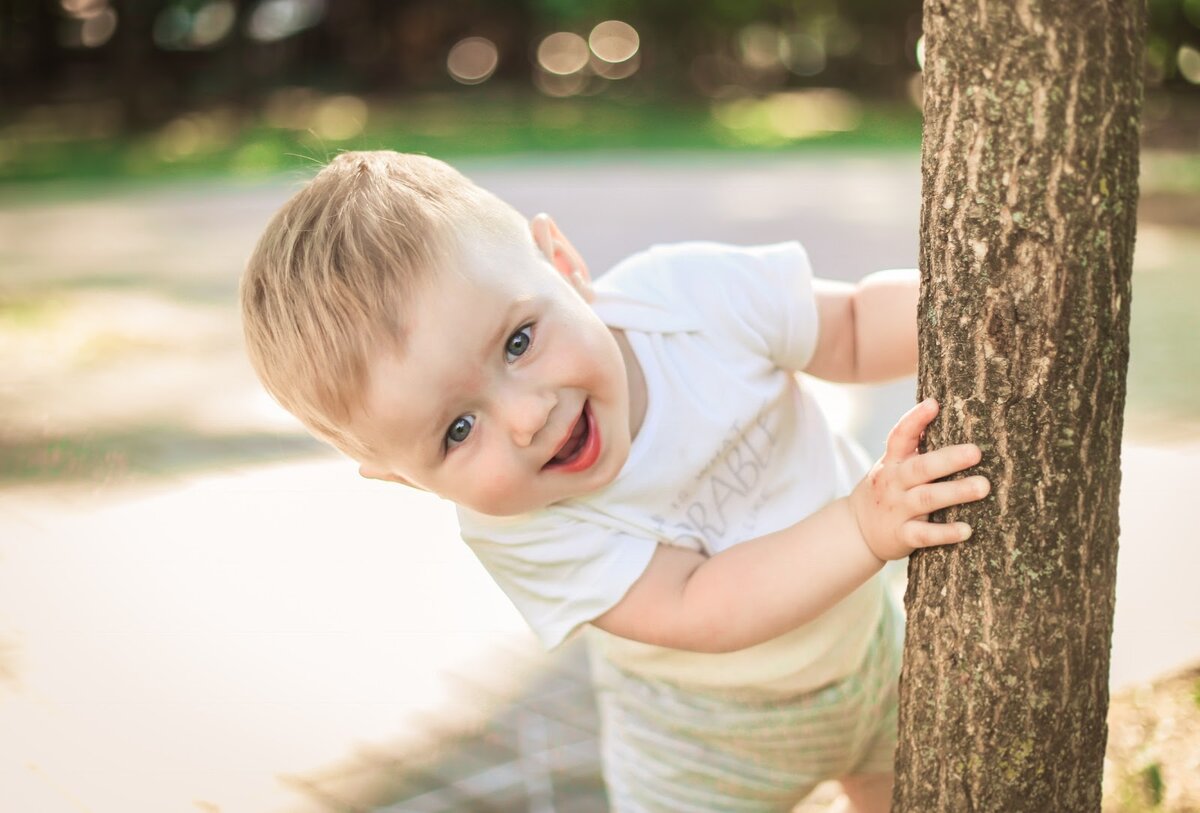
(559, 573)
(761, 296)
(768, 294)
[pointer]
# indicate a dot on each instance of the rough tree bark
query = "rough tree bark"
(1029, 171)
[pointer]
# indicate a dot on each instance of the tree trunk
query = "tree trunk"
(1029, 169)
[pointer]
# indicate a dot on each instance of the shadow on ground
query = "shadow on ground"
(144, 451)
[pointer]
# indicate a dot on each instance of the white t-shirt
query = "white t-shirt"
(732, 447)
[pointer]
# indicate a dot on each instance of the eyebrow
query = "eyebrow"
(503, 328)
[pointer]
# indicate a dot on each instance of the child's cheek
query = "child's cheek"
(498, 492)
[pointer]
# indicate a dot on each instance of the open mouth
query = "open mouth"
(581, 448)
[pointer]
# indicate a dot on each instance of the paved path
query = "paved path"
(193, 644)
(238, 637)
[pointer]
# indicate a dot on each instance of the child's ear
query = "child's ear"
(378, 474)
(556, 248)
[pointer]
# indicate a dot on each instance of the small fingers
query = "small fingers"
(918, 534)
(905, 436)
(939, 463)
(935, 496)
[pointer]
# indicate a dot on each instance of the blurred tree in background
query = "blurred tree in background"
(200, 76)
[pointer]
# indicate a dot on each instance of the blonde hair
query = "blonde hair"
(329, 283)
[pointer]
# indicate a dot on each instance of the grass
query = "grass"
(26, 311)
(225, 143)
(141, 452)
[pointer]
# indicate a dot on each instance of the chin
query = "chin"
(508, 508)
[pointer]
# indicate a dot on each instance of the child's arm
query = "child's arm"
(868, 331)
(764, 587)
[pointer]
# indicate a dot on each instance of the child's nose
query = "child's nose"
(527, 413)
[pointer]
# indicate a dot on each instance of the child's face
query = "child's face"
(510, 393)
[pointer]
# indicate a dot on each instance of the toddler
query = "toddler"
(634, 458)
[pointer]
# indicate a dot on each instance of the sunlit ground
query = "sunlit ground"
(198, 605)
(188, 646)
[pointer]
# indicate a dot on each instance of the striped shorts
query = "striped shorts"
(670, 749)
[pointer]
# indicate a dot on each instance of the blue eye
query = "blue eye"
(518, 343)
(459, 429)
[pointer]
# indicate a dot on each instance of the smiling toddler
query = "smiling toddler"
(633, 458)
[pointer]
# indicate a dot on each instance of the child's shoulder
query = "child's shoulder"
(758, 299)
(698, 260)
(702, 275)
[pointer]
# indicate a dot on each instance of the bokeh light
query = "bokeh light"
(472, 60)
(921, 52)
(803, 54)
(274, 20)
(563, 53)
(195, 133)
(84, 9)
(333, 118)
(291, 108)
(760, 46)
(178, 28)
(616, 70)
(98, 29)
(788, 116)
(838, 36)
(805, 113)
(560, 85)
(90, 23)
(172, 26)
(1188, 59)
(339, 117)
(212, 23)
(613, 41)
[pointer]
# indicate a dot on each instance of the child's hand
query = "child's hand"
(893, 502)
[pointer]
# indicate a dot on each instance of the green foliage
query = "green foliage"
(1191, 10)
(562, 10)
(17, 313)
(1152, 782)
(489, 125)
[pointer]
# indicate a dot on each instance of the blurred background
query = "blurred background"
(101, 89)
(203, 610)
